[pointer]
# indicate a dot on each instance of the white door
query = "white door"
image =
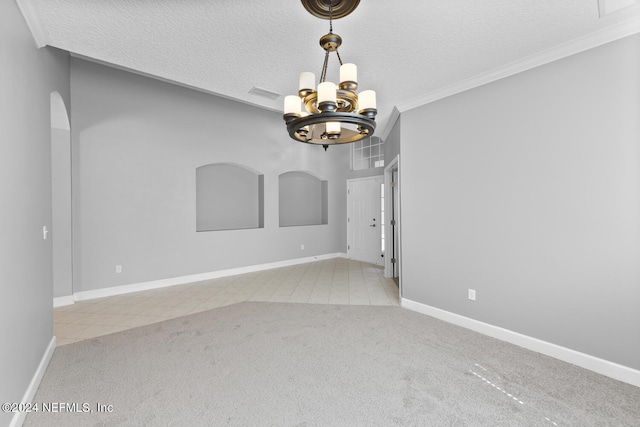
(364, 219)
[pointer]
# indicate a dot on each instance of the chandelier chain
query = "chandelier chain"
(331, 17)
(331, 28)
(323, 75)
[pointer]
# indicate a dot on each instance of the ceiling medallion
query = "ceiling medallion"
(330, 9)
(333, 114)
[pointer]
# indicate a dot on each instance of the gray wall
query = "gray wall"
(27, 77)
(136, 145)
(528, 190)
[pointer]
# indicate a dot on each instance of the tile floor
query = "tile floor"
(333, 281)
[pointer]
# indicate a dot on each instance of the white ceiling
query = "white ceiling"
(409, 51)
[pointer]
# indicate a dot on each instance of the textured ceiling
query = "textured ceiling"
(405, 50)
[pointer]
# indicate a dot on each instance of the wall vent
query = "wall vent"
(258, 91)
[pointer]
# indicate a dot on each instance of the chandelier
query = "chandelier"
(332, 114)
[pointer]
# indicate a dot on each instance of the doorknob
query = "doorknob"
(372, 225)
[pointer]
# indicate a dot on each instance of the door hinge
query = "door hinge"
(393, 184)
(393, 260)
(348, 247)
(393, 222)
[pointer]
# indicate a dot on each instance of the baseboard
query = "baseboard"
(595, 364)
(18, 417)
(163, 283)
(62, 301)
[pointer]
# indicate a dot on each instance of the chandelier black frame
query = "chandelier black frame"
(334, 114)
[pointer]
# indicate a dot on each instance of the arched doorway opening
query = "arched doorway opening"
(61, 202)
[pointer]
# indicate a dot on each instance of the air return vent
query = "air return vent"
(258, 91)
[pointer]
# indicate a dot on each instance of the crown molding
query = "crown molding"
(33, 22)
(395, 115)
(623, 29)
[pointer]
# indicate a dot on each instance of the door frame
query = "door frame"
(388, 202)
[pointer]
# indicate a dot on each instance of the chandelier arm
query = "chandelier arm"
(323, 75)
(339, 59)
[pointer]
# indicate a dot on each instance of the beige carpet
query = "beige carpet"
(278, 364)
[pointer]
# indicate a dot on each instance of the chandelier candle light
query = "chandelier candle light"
(332, 114)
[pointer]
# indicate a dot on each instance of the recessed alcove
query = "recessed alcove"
(229, 197)
(303, 199)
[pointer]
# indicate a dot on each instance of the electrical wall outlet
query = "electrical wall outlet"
(118, 269)
(472, 294)
(302, 247)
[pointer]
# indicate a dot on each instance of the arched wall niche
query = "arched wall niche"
(229, 196)
(303, 199)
